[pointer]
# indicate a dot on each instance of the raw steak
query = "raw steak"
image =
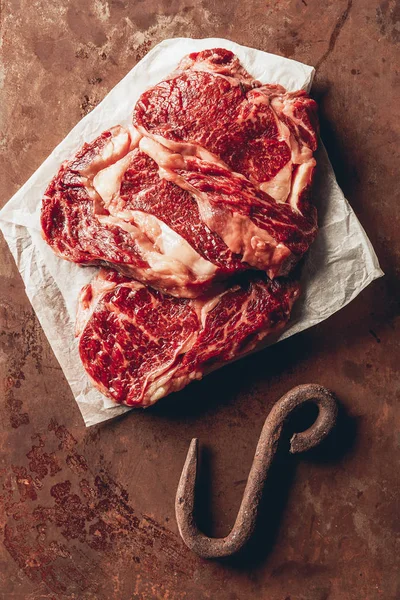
(213, 179)
(237, 146)
(179, 253)
(138, 344)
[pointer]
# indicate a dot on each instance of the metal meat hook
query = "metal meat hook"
(267, 444)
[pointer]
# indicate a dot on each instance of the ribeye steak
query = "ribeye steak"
(138, 344)
(178, 253)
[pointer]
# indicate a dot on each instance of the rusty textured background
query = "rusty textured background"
(88, 514)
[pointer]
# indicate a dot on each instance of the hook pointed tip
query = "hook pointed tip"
(190, 466)
(193, 450)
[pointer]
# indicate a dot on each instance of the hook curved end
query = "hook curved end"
(194, 539)
(327, 406)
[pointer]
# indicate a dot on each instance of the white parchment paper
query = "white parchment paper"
(339, 265)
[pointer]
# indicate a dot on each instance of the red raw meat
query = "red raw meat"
(138, 344)
(205, 198)
(79, 227)
(210, 115)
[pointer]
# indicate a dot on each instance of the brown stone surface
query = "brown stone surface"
(89, 514)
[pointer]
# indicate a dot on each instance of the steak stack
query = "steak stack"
(197, 210)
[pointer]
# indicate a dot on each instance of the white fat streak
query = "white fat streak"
(301, 154)
(117, 222)
(301, 180)
(116, 148)
(107, 182)
(163, 156)
(181, 149)
(173, 246)
(135, 137)
(279, 186)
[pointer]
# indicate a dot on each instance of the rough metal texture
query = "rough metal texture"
(246, 520)
(90, 514)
